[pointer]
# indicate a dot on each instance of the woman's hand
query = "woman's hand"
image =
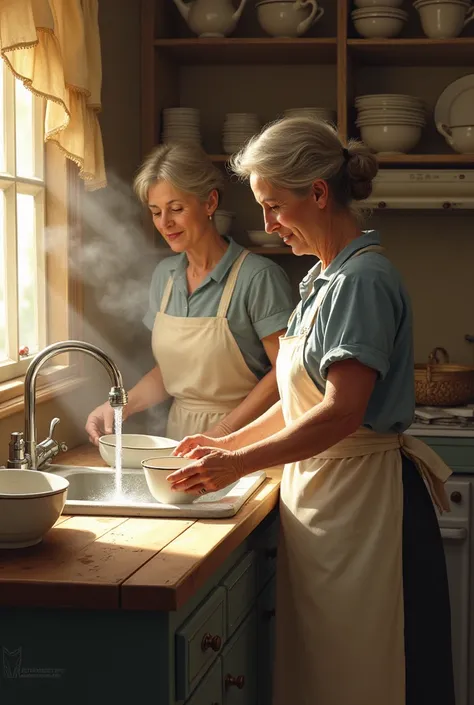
(101, 422)
(189, 443)
(213, 470)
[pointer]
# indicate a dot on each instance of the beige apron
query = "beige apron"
(340, 614)
(201, 364)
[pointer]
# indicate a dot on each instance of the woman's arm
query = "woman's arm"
(348, 390)
(149, 391)
(262, 396)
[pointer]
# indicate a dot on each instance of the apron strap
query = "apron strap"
(166, 295)
(322, 292)
(230, 285)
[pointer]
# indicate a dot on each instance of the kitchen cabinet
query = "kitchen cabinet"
(328, 67)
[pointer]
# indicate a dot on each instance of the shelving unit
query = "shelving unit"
(329, 67)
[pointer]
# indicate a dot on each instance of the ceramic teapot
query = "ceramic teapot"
(210, 18)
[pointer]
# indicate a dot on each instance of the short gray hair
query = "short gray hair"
(292, 153)
(186, 166)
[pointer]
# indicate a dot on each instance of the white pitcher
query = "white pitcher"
(210, 18)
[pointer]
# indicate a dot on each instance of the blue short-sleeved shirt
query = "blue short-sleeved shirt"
(365, 314)
(261, 303)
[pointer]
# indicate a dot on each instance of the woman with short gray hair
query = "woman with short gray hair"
(216, 311)
(362, 614)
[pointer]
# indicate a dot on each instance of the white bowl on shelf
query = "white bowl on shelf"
(260, 238)
(378, 22)
(157, 470)
(135, 448)
(383, 138)
(223, 221)
(31, 501)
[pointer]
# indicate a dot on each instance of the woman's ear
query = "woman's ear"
(212, 202)
(319, 192)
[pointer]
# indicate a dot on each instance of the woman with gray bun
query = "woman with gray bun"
(363, 615)
(216, 310)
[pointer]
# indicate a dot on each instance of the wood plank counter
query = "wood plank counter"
(94, 562)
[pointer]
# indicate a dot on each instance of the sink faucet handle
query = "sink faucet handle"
(49, 448)
(52, 426)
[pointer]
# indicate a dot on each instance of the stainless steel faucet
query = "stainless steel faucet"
(24, 452)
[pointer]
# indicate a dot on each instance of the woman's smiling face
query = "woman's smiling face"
(179, 217)
(292, 217)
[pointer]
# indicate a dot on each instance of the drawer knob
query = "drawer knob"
(456, 497)
(237, 681)
(211, 642)
(269, 614)
(271, 553)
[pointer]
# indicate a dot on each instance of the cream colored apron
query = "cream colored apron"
(202, 366)
(340, 613)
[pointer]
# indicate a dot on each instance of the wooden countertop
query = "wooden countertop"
(95, 562)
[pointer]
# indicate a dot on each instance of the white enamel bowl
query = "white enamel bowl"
(31, 501)
(135, 448)
(157, 470)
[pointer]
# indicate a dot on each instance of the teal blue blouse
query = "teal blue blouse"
(261, 303)
(365, 314)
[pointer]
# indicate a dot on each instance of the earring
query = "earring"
(210, 217)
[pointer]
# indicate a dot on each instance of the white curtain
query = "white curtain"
(53, 46)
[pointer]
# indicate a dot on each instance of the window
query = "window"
(40, 300)
(23, 320)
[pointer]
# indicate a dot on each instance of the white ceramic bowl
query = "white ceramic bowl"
(378, 26)
(262, 239)
(157, 470)
(391, 138)
(443, 20)
(31, 501)
(223, 221)
(462, 139)
(135, 448)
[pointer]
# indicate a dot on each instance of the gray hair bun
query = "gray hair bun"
(362, 167)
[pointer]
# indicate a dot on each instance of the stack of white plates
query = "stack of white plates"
(181, 125)
(319, 113)
(390, 122)
(238, 129)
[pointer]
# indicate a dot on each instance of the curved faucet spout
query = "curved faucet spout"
(117, 394)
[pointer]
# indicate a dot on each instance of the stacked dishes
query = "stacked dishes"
(238, 129)
(380, 21)
(181, 125)
(390, 122)
(318, 113)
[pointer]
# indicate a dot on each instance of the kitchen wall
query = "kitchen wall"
(434, 251)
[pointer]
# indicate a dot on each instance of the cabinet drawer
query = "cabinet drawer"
(241, 586)
(199, 641)
(239, 666)
(457, 453)
(209, 691)
(266, 549)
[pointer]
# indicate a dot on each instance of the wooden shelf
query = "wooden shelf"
(445, 160)
(413, 52)
(249, 50)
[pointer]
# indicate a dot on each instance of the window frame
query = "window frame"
(59, 195)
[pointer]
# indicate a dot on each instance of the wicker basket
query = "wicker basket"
(443, 384)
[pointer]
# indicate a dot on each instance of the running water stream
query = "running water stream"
(118, 453)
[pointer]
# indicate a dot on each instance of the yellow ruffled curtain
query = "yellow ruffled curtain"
(53, 46)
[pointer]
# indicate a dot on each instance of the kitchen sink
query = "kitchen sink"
(91, 491)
